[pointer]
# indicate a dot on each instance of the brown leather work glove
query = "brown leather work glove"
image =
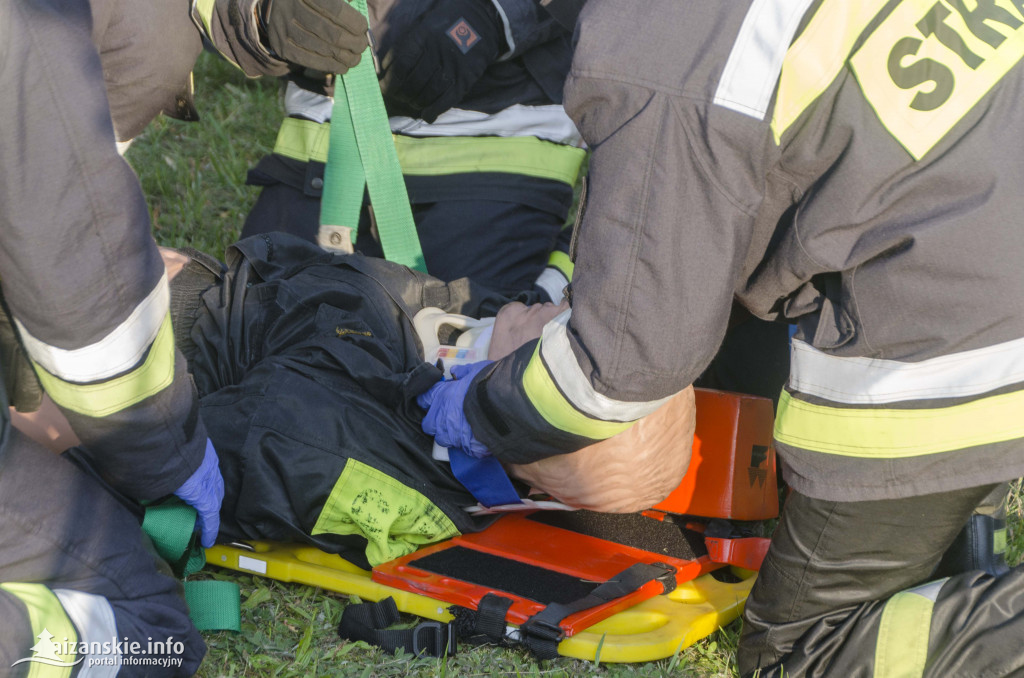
(325, 35)
(629, 472)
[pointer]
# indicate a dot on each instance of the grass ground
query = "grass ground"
(193, 176)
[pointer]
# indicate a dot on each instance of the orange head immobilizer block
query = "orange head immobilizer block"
(732, 465)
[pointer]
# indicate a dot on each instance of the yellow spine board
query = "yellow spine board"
(652, 630)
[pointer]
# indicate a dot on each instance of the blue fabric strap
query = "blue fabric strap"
(484, 477)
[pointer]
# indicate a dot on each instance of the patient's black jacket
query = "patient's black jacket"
(307, 367)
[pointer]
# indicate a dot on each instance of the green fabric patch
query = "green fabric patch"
(394, 519)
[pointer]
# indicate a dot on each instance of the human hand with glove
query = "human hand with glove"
(440, 57)
(629, 472)
(445, 419)
(204, 491)
(324, 35)
(515, 325)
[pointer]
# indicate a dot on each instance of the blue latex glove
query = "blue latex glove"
(204, 491)
(445, 419)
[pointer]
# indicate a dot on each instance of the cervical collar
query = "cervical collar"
(472, 338)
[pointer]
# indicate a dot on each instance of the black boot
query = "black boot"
(981, 545)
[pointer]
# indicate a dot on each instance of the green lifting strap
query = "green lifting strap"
(213, 605)
(362, 153)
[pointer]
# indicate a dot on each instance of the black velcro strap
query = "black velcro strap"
(485, 624)
(542, 632)
(436, 294)
(369, 621)
(490, 616)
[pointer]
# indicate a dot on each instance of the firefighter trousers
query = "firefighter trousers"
(501, 244)
(78, 581)
(847, 590)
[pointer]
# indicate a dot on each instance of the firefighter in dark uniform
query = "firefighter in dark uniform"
(87, 292)
(489, 156)
(846, 166)
(89, 323)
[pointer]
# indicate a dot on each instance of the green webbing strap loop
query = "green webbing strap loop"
(169, 525)
(362, 153)
(344, 177)
(213, 605)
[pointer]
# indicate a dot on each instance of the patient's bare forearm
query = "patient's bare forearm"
(47, 426)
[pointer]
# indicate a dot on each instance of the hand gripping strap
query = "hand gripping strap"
(213, 605)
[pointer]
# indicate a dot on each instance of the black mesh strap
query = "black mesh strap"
(369, 621)
(485, 624)
(542, 632)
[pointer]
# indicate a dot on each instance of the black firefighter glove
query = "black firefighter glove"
(325, 35)
(433, 65)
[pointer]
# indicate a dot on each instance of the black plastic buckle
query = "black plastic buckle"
(442, 639)
(668, 578)
(544, 630)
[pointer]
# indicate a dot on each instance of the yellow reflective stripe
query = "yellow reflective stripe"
(902, 647)
(562, 262)
(393, 518)
(431, 156)
(306, 140)
(303, 140)
(99, 400)
(113, 354)
(559, 412)
(924, 68)
(51, 626)
(999, 541)
(817, 56)
(204, 10)
(890, 433)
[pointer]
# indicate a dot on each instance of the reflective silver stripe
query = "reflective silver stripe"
(309, 105)
(548, 122)
(112, 355)
(508, 30)
(552, 281)
(94, 619)
(575, 386)
(929, 590)
(871, 380)
(753, 68)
